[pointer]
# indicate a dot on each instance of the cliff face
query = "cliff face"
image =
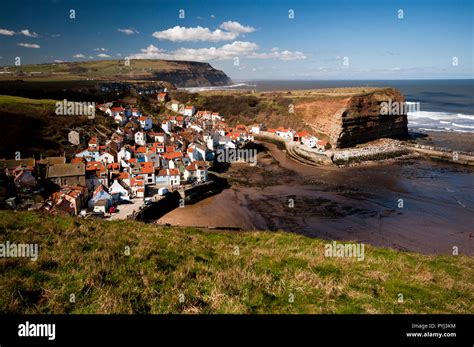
(354, 119)
(193, 74)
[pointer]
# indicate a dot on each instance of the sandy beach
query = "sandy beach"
(414, 205)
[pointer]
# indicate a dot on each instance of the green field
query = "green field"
(101, 70)
(187, 270)
(18, 104)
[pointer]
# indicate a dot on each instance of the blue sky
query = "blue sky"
(335, 39)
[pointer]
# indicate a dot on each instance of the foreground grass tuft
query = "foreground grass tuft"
(185, 270)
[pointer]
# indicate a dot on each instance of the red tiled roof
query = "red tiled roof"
(95, 165)
(172, 155)
(302, 133)
(124, 175)
(113, 166)
(173, 172)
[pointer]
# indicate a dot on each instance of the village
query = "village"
(140, 163)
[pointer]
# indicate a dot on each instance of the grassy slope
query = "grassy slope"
(87, 258)
(18, 104)
(100, 69)
(34, 129)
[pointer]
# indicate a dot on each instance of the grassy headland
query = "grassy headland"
(187, 270)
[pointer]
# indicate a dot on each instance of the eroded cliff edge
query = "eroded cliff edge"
(353, 116)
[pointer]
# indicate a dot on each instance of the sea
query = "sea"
(444, 105)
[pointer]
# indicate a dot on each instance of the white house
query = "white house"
(147, 171)
(168, 177)
(158, 137)
(89, 155)
(101, 200)
(215, 116)
(255, 129)
(117, 110)
(309, 141)
(166, 126)
(120, 119)
(145, 122)
(226, 142)
(106, 158)
(140, 138)
(175, 106)
(189, 111)
(136, 112)
(196, 170)
(286, 134)
(124, 154)
(118, 192)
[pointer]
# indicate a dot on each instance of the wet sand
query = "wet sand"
(355, 203)
(453, 140)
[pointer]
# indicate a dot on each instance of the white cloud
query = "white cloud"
(27, 33)
(228, 51)
(7, 32)
(236, 27)
(281, 55)
(231, 30)
(58, 61)
(103, 55)
(29, 45)
(79, 55)
(56, 35)
(181, 34)
(128, 31)
(100, 49)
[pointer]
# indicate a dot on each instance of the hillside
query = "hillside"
(187, 270)
(179, 73)
(34, 129)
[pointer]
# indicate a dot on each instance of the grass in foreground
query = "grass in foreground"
(185, 270)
